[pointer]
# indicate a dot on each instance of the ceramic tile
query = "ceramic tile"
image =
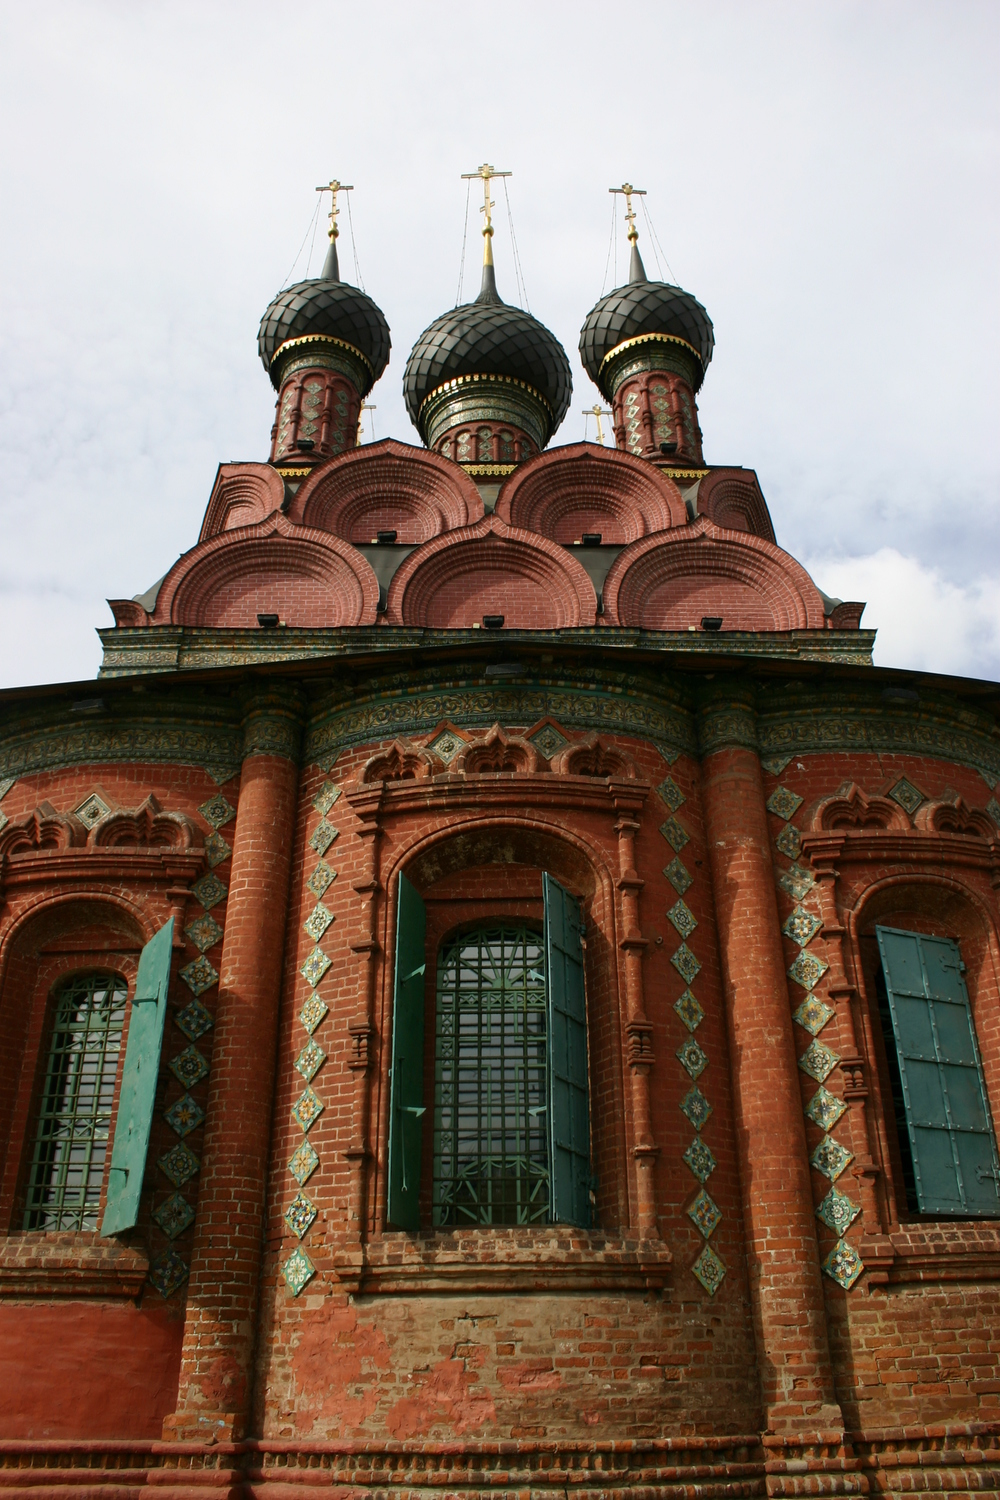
(299, 1214)
(326, 797)
(689, 1010)
(825, 1109)
(669, 792)
(298, 1270)
(194, 1020)
(837, 1211)
(906, 794)
(700, 1159)
(6, 782)
(710, 1269)
(674, 834)
(174, 1216)
(818, 1061)
(808, 970)
(310, 1060)
(681, 918)
(307, 1108)
(813, 1014)
(313, 1012)
(199, 975)
(185, 1115)
(704, 1214)
(323, 836)
(789, 841)
(802, 926)
(676, 872)
(686, 964)
(188, 1067)
(447, 745)
(318, 921)
(303, 1163)
(783, 803)
(4, 820)
(168, 1273)
(321, 879)
(216, 850)
(179, 1164)
(217, 812)
(775, 764)
(844, 1264)
(831, 1158)
(993, 808)
(796, 881)
(204, 932)
(691, 1058)
(209, 890)
(548, 741)
(91, 810)
(696, 1107)
(315, 967)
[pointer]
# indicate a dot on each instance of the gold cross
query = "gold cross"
(630, 193)
(596, 411)
(333, 187)
(486, 172)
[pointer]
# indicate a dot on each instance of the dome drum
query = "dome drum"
(493, 399)
(317, 414)
(656, 418)
(649, 352)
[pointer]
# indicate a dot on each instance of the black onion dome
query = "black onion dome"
(644, 307)
(331, 308)
(488, 337)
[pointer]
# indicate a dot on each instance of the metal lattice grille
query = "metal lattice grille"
(491, 1155)
(71, 1142)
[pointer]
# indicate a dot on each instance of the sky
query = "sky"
(823, 176)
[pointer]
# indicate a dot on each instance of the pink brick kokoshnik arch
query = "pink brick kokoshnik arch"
(672, 581)
(565, 492)
(387, 486)
(491, 569)
(242, 495)
(308, 578)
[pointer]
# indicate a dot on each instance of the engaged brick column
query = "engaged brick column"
(214, 1393)
(782, 1249)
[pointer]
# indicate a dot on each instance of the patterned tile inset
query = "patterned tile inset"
(705, 1214)
(209, 890)
(700, 1159)
(199, 975)
(796, 881)
(831, 1158)
(204, 932)
(548, 741)
(676, 873)
(448, 744)
(818, 1061)
(179, 1164)
(682, 918)
(813, 1014)
(323, 836)
(669, 792)
(216, 850)
(310, 1060)
(168, 1273)
(321, 879)
(326, 797)
(307, 1109)
(691, 1058)
(825, 1109)
(217, 812)
(686, 964)
(174, 1216)
(315, 967)
(808, 970)
(783, 803)
(837, 1211)
(184, 1115)
(298, 1271)
(710, 1269)
(674, 834)
(775, 764)
(802, 926)
(696, 1107)
(993, 808)
(312, 1013)
(4, 820)
(188, 1067)
(318, 921)
(303, 1163)
(194, 1020)
(789, 841)
(844, 1264)
(689, 1011)
(299, 1214)
(6, 782)
(906, 794)
(92, 810)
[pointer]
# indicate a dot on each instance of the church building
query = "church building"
(498, 994)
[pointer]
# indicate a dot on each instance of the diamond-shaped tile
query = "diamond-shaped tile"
(831, 1158)
(307, 1108)
(216, 850)
(310, 1060)
(686, 964)
(299, 1214)
(700, 1159)
(184, 1115)
(4, 820)
(194, 1020)
(315, 967)
(783, 803)
(174, 1216)
(447, 745)
(91, 810)
(691, 1058)
(796, 881)
(669, 792)
(807, 970)
(199, 975)
(818, 1061)
(209, 890)
(323, 836)
(312, 1013)
(204, 932)
(318, 921)
(303, 1163)
(906, 794)
(844, 1265)
(775, 764)
(168, 1273)
(696, 1107)
(298, 1271)
(993, 808)
(178, 1164)
(825, 1109)
(789, 841)
(689, 1011)
(6, 782)
(813, 1014)
(326, 797)
(802, 926)
(676, 872)
(681, 917)
(321, 879)
(674, 834)
(705, 1214)
(217, 812)
(548, 741)
(710, 1269)
(837, 1211)
(188, 1067)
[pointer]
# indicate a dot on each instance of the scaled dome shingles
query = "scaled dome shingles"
(644, 307)
(330, 308)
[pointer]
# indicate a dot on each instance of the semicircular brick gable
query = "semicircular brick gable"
(387, 486)
(242, 495)
(581, 488)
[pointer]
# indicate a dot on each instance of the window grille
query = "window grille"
(71, 1141)
(491, 1155)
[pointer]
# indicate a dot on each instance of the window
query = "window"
(511, 1124)
(71, 1141)
(950, 1163)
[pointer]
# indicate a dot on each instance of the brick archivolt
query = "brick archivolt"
(581, 488)
(243, 494)
(387, 486)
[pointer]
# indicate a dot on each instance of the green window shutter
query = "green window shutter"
(947, 1115)
(139, 1075)
(569, 1115)
(406, 1081)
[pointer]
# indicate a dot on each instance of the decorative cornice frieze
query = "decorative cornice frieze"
(726, 717)
(190, 731)
(272, 724)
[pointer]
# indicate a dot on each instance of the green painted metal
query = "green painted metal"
(947, 1115)
(139, 1077)
(406, 1080)
(569, 1113)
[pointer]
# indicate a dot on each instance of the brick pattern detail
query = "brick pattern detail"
(569, 491)
(317, 406)
(387, 486)
(243, 495)
(654, 407)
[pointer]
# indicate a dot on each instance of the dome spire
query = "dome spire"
(331, 266)
(636, 270)
(488, 291)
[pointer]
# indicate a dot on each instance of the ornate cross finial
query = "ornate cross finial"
(630, 192)
(486, 172)
(597, 411)
(333, 187)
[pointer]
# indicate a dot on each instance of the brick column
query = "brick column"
(782, 1250)
(215, 1381)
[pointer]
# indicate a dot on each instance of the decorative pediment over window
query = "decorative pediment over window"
(852, 809)
(594, 757)
(954, 816)
(400, 762)
(144, 827)
(497, 753)
(42, 829)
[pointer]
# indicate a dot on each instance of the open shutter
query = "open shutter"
(139, 1075)
(947, 1115)
(406, 1080)
(569, 1114)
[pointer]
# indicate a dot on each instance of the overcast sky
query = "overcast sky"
(823, 176)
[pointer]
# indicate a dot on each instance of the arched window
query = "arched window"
(71, 1137)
